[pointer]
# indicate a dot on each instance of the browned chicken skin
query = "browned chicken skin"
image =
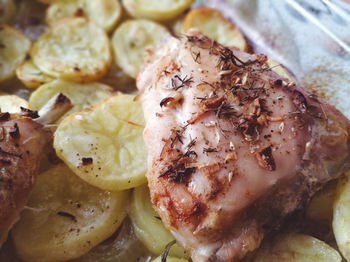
(233, 147)
(23, 143)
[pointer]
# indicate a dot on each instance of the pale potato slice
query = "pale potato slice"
(105, 13)
(213, 24)
(148, 226)
(7, 11)
(81, 95)
(341, 216)
(104, 145)
(279, 69)
(12, 103)
(164, 10)
(30, 75)
(170, 259)
(293, 247)
(130, 43)
(66, 217)
(13, 49)
(73, 49)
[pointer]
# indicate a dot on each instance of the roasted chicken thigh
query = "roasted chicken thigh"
(233, 148)
(23, 143)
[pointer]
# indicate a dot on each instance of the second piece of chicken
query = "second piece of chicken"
(233, 148)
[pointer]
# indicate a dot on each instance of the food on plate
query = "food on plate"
(12, 103)
(164, 10)
(214, 25)
(22, 145)
(103, 144)
(14, 47)
(73, 49)
(105, 13)
(66, 217)
(132, 40)
(148, 226)
(341, 216)
(30, 75)
(81, 95)
(294, 247)
(8, 10)
(205, 99)
(233, 148)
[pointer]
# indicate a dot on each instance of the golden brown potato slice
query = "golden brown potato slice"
(14, 47)
(30, 75)
(293, 247)
(66, 217)
(163, 10)
(81, 95)
(103, 145)
(132, 39)
(213, 24)
(105, 13)
(73, 49)
(148, 226)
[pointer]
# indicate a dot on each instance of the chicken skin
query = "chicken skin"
(23, 142)
(233, 148)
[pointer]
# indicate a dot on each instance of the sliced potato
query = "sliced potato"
(81, 95)
(66, 217)
(124, 247)
(148, 226)
(170, 259)
(30, 75)
(213, 24)
(341, 216)
(104, 145)
(7, 11)
(13, 49)
(105, 13)
(164, 10)
(130, 43)
(293, 247)
(279, 69)
(12, 103)
(73, 49)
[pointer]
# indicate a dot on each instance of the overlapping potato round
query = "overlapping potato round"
(132, 39)
(294, 247)
(341, 216)
(213, 24)
(81, 95)
(12, 103)
(74, 49)
(30, 75)
(103, 145)
(13, 49)
(164, 10)
(105, 13)
(8, 9)
(66, 217)
(148, 226)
